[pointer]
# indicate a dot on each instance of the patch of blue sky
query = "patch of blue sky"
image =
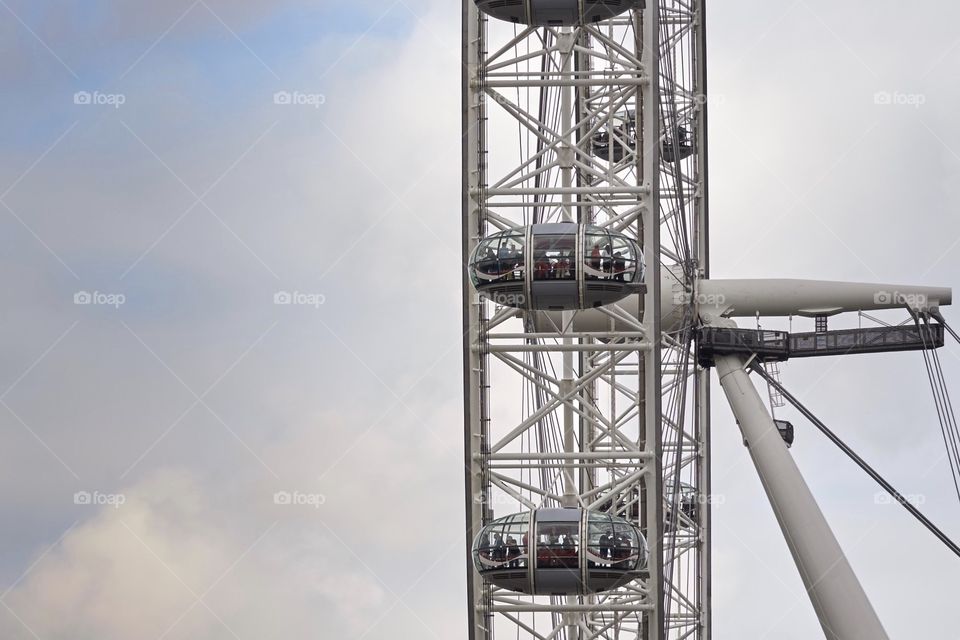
(233, 77)
(294, 28)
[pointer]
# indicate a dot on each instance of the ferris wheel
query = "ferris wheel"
(591, 326)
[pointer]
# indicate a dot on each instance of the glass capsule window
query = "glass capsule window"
(608, 256)
(503, 544)
(558, 545)
(499, 258)
(625, 547)
(613, 543)
(555, 256)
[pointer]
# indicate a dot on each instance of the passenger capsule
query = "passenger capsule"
(685, 497)
(684, 501)
(560, 552)
(557, 266)
(678, 146)
(556, 12)
(612, 142)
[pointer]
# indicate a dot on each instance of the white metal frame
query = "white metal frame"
(556, 416)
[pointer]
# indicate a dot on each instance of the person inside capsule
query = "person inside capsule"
(500, 259)
(610, 257)
(513, 552)
(557, 547)
(622, 550)
(553, 256)
(497, 546)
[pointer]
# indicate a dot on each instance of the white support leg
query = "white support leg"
(843, 608)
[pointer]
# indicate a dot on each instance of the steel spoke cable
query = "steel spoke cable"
(936, 397)
(945, 393)
(943, 321)
(860, 462)
(945, 416)
(955, 433)
(956, 430)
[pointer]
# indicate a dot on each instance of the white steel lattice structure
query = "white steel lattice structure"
(587, 422)
(604, 124)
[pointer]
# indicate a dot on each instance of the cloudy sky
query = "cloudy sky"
(147, 169)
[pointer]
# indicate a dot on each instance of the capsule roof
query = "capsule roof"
(556, 12)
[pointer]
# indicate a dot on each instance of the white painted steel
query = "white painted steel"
(839, 600)
(602, 414)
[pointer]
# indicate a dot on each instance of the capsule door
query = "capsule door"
(553, 252)
(557, 552)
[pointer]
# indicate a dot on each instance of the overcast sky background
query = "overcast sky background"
(198, 399)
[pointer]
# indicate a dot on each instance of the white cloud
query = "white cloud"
(137, 571)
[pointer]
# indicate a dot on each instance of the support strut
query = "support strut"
(839, 600)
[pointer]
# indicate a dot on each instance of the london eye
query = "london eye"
(592, 329)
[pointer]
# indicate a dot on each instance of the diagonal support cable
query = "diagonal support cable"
(916, 513)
